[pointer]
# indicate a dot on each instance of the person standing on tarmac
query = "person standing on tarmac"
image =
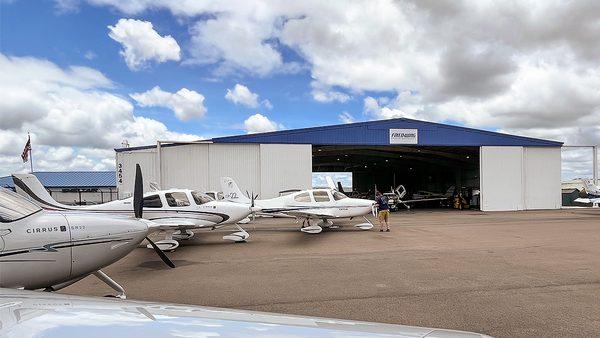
(384, 211)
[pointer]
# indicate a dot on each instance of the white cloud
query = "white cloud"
(90, 55)
(240, 94)
(323, 93)
(187, 104)
(346, 117)
(259, 123)
(74, 119)
(525, 67)
(142, 44)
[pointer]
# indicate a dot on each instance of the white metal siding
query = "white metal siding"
(184, 166)
(520, 178)
(283, 167)
(542, 178)
(501, 178)
(239, 161)
(126, 162)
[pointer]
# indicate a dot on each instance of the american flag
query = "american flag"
(27, 150)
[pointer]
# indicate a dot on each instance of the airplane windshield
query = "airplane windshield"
(201, 198)
(338, 195)
(14, 207)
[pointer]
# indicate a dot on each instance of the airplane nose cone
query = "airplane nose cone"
(238, 212)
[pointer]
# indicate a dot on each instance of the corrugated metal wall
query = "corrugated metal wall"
(520, 178)
(264, 169)
(184, 166)
(284, 167)
(542, 178)
(238, 161)
(126, 170)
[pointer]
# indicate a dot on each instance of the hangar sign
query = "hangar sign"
(404, 136)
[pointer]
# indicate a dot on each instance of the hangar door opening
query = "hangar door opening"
(420, 169)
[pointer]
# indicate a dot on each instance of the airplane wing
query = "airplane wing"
(302, 212)
(426, 199)
(52, 314)
(172, 224)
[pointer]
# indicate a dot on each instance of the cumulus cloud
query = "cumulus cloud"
(74, 119)
(259, 123)
(186, 104)
(524, 67)
(142, 44)
(240, 94)
(323, 93)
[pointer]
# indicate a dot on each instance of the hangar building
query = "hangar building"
(511, 172)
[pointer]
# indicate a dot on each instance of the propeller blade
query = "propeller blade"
(252, 204)
(160, 253)
(138, 192)
(374, 210)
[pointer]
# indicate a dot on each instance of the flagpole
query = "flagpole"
(30, 152)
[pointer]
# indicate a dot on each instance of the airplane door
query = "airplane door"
(36, 251)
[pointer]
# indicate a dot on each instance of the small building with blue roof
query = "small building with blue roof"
(75, 187)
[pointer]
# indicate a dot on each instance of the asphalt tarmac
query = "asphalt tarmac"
(505, 274)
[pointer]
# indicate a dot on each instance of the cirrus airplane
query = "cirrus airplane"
(50, 250)
(321, 204)
(175, 211)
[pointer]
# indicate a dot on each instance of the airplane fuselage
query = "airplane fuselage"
(49, 248)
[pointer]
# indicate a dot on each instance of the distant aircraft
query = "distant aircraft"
(421, 196)
(41, 249)
(592, 191)
(176, 211)
(321, 204)
(37, 314)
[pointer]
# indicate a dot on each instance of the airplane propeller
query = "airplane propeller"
(252, 198)
(138, 206)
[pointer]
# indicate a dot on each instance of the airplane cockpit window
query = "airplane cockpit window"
(14, 207)
(177, 199)
(338, 196)
(321, 196)
(303, 197)
(201, 198)
(152, 201)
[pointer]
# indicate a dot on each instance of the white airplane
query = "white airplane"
(176, 211)
(322, 204)
(42, 249)
(423, 196)
(52, 315)
(592, 191)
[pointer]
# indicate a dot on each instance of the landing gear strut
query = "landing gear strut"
(110, 282)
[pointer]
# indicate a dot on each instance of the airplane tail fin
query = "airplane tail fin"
(590, 187)
(340, 188)
(29, 185)
(232, 192)
(330, 183)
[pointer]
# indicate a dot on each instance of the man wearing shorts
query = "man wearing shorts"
(384, 211)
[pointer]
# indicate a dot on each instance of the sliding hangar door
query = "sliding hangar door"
(511, 172)
(259, 168)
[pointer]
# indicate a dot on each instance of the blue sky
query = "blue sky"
(65, 37)
(84, 75)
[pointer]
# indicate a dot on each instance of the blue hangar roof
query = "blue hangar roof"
(70, 179)
(380, 133)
